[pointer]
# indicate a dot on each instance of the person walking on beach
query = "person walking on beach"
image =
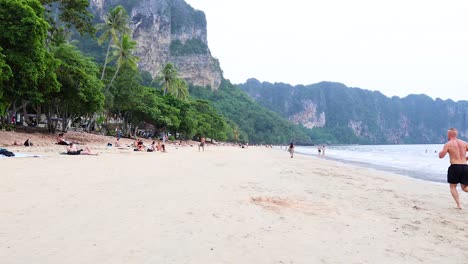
(118, 133)
(291, 150)
(202, 144)
(458, 170)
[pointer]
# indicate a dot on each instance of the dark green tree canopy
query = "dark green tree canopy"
(81, 91)
(71, 13)
(23, 32)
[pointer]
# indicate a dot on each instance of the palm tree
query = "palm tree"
(168, 77)
(116, 24)
(172, 83)
(123, 53)
(181, 89)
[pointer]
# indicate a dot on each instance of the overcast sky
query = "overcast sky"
(398, 47)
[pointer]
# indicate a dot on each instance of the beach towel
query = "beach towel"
(22, 155)
(6, 153)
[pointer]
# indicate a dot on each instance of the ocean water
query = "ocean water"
(417, 161)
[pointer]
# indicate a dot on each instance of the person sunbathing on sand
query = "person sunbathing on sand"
(28, 143)
(138, 145)
(61, 140)
(161, 146)
(73, 150)
(152, 147)
(458, 170)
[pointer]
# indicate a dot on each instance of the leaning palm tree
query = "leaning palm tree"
(172, 83)
(116, 24)
(168, 77)
(123, 53)
(181, 89)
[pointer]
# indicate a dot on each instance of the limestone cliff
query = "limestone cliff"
(353, 115)
(169, 31)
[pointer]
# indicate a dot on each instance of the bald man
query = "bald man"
(458, 170)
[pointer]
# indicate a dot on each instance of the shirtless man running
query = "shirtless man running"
(458, 170)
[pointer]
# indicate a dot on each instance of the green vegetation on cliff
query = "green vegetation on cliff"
(190, 47)
(185, 17)
(353, 115)
(257, 124)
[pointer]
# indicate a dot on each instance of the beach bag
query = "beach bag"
(6, 153)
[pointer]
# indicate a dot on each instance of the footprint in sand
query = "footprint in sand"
(410, 227)
(278, 204)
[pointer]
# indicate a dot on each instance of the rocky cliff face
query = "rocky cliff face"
(353, 115)
(169, 31)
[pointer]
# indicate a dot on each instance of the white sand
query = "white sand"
(226, 205)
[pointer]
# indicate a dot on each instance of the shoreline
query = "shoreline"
(383, 168)
(438, 176)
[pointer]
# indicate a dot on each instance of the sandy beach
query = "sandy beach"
(224, 205)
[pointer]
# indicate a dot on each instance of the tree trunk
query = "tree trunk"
(135, 133)
(38, 111)
(113, 78)
(25, 112)
(13, 113)
(107, 56)
(50, 125)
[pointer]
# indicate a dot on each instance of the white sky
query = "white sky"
(398, 47)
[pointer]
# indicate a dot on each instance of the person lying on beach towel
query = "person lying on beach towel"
(73, 150)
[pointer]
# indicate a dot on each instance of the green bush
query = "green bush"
(8, 127)
(190, 47)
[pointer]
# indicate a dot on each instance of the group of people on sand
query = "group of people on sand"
(140, 146)
(320, 148)
(73, 149)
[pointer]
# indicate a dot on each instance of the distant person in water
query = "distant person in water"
(323, 150)
(291, 150)
(202, 144)
(458, 170)
(319, 150)
(73, 150)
